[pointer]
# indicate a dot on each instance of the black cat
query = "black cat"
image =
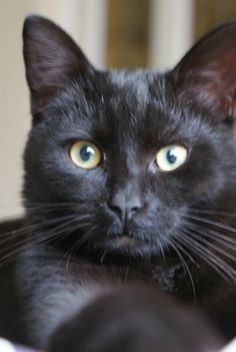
(129, 190)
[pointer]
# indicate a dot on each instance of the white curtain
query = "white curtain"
(86, 21)
(171, 31)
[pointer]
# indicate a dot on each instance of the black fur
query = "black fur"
(127, 220)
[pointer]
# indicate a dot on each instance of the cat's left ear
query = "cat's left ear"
(207, 73)
(52, 60)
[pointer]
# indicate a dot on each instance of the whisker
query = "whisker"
(211, 212)
(27, 229)
(212, 259)
(45, 236)
(208, 251)
(177, 242)
(202, 255)
(208, 243)
(87, 236)
(9, 236)
(78, 244)
(24, 245)
(53, 206)
(211, 222)
(161, 246)
(103, 256)
(221, 238)
(184, 264)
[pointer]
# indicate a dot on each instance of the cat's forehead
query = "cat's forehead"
(117, 95)
(130, 106)
(144, 100)
(139, 88)
(132, 84)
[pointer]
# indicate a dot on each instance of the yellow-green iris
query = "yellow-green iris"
(85, 154)
(171, 157)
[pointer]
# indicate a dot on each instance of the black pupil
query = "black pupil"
(86, 152)
(170, 155)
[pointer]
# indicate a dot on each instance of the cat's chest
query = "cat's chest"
(51, 293)
(54, 289)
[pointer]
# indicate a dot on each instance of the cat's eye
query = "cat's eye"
(85, 154)
(171, 157)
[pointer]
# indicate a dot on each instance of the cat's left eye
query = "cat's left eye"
(85, 154)
(171, 157)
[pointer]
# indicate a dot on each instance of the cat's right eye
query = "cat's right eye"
(85, 154)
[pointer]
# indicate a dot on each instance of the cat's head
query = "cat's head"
(131, 163)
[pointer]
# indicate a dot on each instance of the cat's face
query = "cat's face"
(125, 160)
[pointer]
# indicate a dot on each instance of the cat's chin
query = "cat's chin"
(127, 251)
(132, 248)
(125, 243)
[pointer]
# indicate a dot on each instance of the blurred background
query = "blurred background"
(113, 33)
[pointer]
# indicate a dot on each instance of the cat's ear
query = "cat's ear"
(52, 59)
(207, 73)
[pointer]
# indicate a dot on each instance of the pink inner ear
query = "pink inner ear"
(226, 88)
(219, 80)
(228, 105)
(228, 70)
(207, 73)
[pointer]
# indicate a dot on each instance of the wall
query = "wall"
(85, 20)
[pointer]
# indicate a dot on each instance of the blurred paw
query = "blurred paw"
(135, 319)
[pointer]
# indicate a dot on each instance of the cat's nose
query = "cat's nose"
(125, 207)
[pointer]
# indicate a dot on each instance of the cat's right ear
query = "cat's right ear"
(52, 60)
